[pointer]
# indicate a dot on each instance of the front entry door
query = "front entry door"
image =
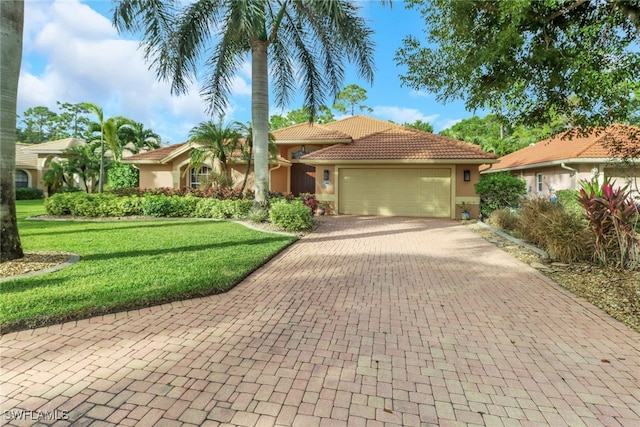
(303, 178)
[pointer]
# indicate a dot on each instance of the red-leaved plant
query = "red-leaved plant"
(612, 216)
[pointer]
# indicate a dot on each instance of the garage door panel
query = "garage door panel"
(395, 192)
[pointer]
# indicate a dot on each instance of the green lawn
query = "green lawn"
(128, 264)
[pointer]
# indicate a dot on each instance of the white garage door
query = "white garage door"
(395, 192)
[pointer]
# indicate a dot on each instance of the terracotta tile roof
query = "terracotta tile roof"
(25, 158)
(400, 143)
(155, 155)
(360, 126)
(309, 132)
(56, 146)
(562, 148)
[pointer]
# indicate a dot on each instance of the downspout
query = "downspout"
(271, 170)
(573, 174)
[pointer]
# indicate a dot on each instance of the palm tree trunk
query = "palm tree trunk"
(11, 24)
(246, 173)
(260, 119)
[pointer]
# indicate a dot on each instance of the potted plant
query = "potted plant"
(323, 208)
(465, 211)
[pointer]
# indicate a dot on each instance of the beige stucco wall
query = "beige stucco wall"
(156, 176)
(279, 179)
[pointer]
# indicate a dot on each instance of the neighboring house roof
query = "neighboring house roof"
(55, 147)
(562, 148)
(25, 158)
(160, 155)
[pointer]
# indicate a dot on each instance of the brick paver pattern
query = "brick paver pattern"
(365, 322)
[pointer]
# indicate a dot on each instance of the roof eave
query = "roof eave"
(398, 161)
(323, 141)
(607, 160)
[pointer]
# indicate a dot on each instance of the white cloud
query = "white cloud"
(73, 54)
(402, 115)
(449, 123)
(420, 94)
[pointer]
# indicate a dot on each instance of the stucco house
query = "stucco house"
(561, 162)
(359, 165)
(26, 173)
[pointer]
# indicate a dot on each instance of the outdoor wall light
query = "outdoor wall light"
(326, 182)
(302, 148)
(467, 175)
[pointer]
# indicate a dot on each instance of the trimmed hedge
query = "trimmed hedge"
(29, 193)
(289, 214)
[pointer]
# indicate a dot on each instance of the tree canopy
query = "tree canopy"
(529, 60)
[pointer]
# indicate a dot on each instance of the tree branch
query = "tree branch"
(564, 10)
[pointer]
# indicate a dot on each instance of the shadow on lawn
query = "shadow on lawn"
(173, 250)
(119, 226)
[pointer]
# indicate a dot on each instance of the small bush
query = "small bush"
(550, 227)
(29, 193)
(569, 200)
(59, 204)
(504, 219)
(291, 216)
(156, 205)
(258, 215)
(499, 190)
(122, 175)
(223, 209)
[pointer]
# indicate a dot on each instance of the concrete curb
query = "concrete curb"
(72, 260)
(519, 242)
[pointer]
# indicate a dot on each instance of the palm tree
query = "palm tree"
(83, 161)
(56, 176)
(214, 141)
(138, 137)
(11, 24)
(97, 127)
(306, 41)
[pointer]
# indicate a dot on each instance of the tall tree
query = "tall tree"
(85, 162)
(309, 39)
(137, 138)
(11, 24)
(40, 125)
(530, 58)
(420, 125)
(300, 115)
(351, 97)
(73, 122)
(99, 127)
(214, 141)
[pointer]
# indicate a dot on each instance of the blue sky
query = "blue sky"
(73, 54)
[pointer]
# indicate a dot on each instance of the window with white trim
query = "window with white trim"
(539, 182)
(199, 178)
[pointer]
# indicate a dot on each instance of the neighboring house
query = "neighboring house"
(560, 163)
(32, 160)
(26, 173)
(359, 165)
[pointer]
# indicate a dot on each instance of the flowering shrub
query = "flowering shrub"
(612, 216)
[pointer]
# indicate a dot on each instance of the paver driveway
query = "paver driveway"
(368, 321)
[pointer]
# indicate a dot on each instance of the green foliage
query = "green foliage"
(172, 206)
(496, 136)
(350, 97)
(612, 216)
(291, 216)
(531, 60)
(258, 215)
(550, 227)
(569, 200)
(223, 209)
(420, 125)
(122, 175)
(301, 115)
(504, 219)
(499, 190)
(29, 193)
